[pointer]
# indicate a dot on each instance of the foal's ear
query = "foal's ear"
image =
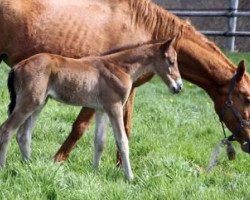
(167, 43)
(240, 70)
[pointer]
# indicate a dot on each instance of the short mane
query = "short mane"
(129, 47)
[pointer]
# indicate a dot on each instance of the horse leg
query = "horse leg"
(24, 135)
(128, 111)
(80, 125)
(115, 113)
(6, 131)
(100, 136)
(129, 106)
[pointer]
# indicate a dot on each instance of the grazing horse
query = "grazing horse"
(84, 82)
(86, 27)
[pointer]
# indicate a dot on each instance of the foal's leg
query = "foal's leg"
(100, 136)
(80, 125)
(24, 135)
(115, 113)
(128, 112)
(129, 107)
(6, 131)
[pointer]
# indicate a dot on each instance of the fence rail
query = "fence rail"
(231, 13)
(211, 13)
(227, 33)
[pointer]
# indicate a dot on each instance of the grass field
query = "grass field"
(173, 138)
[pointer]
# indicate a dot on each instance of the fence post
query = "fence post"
(232, 24)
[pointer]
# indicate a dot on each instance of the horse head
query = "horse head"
(166, 66)
(233, 107)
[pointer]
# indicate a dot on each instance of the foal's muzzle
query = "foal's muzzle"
(176, 86)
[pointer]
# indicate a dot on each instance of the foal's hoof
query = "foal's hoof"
(130, 178)
(26, 160)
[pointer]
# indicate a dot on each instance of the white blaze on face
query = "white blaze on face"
(179, 82)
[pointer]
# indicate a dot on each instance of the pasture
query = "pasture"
(172, 140)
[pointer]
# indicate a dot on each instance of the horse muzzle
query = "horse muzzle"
(176, 86)
(245, 146)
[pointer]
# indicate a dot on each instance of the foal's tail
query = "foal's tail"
(12, 91)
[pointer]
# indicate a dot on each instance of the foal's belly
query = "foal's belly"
(77, 98)
(76, 89)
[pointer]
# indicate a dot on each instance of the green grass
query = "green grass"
(173, 138)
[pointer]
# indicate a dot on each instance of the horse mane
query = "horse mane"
(161, 23)
(155, 19)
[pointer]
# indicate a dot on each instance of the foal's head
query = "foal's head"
(165, 65)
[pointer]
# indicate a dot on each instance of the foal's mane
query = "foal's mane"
(129, 47)
(161, 23)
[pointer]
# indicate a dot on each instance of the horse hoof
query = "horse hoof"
(60, 158)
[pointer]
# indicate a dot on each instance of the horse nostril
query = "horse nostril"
(176, 87)
(176, 90)
(180, 86)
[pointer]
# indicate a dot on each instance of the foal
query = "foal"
(103, 83)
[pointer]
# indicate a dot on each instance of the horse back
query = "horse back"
(69, 28)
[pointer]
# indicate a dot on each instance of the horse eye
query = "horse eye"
(248, 101)
(171, 62)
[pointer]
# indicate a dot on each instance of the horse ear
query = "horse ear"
(240, 70)
(167, 43)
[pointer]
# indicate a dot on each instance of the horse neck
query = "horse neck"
(133, 62)
(203, 64)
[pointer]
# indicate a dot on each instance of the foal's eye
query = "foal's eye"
(248, 101)
(171, 62)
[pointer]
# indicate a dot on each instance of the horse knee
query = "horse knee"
(5, 136)
(26, 108)
(21, 139)
(123, 146)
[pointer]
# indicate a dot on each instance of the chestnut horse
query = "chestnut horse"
(77, 28)
(87, 82)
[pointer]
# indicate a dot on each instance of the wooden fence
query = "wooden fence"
(231, 13)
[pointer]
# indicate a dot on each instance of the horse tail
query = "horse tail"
(12, 91)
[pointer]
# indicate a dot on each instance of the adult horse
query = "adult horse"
(76, 28)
